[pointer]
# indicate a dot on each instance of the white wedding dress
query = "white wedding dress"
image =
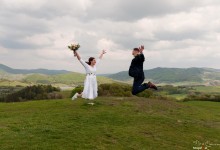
(90, 90)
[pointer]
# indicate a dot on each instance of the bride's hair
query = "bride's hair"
(136, 49)
(90, 60)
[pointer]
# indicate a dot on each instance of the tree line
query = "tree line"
(35, 92)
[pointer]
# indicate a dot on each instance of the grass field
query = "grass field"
(189, 89)
(208, 89)
(12, 83)
(178, 96)
(112, 123)
(68, 79)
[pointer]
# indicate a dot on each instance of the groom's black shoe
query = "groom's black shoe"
(152, 86)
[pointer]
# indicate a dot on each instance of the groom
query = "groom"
(136, 71)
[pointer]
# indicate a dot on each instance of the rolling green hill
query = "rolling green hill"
(13, 77)
(61, 80)
(31, 71)
(175, 75)
(68, 79)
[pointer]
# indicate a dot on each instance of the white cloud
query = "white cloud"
(106, 44)
(3, 50)
(35, 34)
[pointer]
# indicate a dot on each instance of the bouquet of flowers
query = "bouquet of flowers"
(74, 47)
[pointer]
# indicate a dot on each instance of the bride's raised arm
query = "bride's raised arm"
(101, 55)
(76, 54)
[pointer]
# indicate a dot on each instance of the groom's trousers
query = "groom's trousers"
(138, 86)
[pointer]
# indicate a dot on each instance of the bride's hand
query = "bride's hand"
(104, 52)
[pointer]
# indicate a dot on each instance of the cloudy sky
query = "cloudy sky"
(176, 33)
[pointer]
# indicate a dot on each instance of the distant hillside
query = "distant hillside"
(67, 79)
(26, 71)
(177, 76)
(13, 77)
(174, 75)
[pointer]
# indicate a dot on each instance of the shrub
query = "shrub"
(78, 89)
(35, 92)
(202, 97)
(146, 94)
(114, 89)
(122, 90)
(170, 89)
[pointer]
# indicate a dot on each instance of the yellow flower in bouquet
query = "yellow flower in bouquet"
(74, 47)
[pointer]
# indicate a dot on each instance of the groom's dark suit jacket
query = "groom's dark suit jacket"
(136, 68)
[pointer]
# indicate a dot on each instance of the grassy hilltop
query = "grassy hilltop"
(112, 123)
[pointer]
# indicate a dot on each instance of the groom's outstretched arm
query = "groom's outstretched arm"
(141, 49)
(141, 56)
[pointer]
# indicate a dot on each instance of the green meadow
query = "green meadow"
(111, 123)
(68, 79)
(208, 89)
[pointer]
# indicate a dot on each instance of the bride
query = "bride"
(90, 90)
